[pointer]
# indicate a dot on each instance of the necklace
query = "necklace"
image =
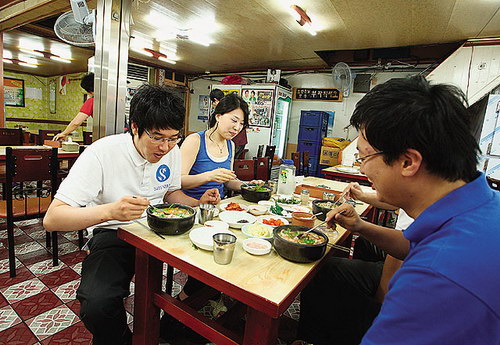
(218, 146)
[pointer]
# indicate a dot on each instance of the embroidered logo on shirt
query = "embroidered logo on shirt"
(163, 173)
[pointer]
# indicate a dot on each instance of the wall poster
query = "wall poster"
(13, 92)
(261, 105)
(204, 107)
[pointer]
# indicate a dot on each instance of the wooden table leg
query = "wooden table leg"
(148, 275)
(260, 329)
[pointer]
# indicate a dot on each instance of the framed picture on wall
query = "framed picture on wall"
(52, 96)
(13, 92)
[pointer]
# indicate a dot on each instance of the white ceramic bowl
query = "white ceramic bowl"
(257, 210)
(257, 246)
(267, 203)
(247, 230)
(226, 204)
(216, 224)
(202, 237)
(267, 217)
(234, 218)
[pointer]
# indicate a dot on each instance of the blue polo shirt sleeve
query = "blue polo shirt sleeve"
(426, 308)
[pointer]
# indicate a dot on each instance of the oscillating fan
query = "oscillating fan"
(343, 78)
(77, 27)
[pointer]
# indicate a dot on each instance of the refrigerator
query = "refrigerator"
(489, 141)
(270, 106)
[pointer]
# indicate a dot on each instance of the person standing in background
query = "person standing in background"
(86, 110)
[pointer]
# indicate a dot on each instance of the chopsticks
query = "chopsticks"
(341, 248)
(148, 228)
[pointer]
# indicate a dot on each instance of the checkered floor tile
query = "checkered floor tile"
(39, 306)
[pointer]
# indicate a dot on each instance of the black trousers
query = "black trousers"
(106, 275)
(339, 305)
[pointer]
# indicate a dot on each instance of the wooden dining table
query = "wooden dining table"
(266, 284)
(62, 155)
(332, 173)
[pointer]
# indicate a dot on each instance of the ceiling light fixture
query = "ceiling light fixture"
(45, 54)
(302, 18)
(19, 62)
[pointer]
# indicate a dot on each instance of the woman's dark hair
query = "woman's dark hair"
(227, 104)
(216, 94)
(155, 107)
(404, 114)
(87, 82)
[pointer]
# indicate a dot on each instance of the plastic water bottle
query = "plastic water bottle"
(286, 180)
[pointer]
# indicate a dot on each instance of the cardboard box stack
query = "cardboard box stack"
(331, 149)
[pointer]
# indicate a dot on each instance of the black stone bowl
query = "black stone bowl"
(170, 226)
(324, 210)
(248, 194)
(298, 252)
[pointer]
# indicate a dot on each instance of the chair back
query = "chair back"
(244, 169)
(11, 136)
(270, 149)
(28, 164)
(87, 138)
(494, 183)
(260, 151)
(46, 135)
(262, 168)
(296, 162)
(305, 163)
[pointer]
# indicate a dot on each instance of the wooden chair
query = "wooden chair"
(11, 137)
(262, 171)
(26, 201)
(46, 135)
(260, 151)
(87, 138)
(244, 169)
(296, 162)
(270, 150)
(305, 163)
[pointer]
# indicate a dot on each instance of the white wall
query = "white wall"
(343, 110)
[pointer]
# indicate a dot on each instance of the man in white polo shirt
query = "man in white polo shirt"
(112, 183)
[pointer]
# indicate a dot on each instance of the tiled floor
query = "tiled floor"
(38, 306)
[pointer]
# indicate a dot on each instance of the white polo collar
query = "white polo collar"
(134, 154)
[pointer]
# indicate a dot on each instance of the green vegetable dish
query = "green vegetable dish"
(257, 188)
(170, 212)
(292, 236)
(290, 201)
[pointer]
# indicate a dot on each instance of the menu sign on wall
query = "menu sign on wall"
(311, 94)
(13, 92)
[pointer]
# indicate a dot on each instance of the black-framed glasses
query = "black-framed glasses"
(160, 140)
(360, 160)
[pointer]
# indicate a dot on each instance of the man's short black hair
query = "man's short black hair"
(156, 108)
(87, 82)
(410, 113)
(216, 94)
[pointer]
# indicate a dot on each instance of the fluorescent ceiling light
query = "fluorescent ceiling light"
(7, 54)
(167, 60)
(32, 52)
(27, 65)
(57, 58)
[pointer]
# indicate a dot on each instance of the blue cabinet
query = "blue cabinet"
(313, 128)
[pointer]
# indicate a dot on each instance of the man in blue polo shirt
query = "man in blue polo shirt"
(416, 147)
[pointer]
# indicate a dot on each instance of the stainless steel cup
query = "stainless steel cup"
(224, 248)
(207, 212)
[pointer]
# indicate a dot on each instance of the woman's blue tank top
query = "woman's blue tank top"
(204, 163)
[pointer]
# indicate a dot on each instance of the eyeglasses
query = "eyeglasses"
(360, 160)
(160, 140)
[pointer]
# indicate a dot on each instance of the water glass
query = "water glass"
(207, 212)
(224, 248)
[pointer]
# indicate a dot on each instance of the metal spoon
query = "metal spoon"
(299, 236)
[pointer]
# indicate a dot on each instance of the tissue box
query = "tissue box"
(70, 146)
(335, 142)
